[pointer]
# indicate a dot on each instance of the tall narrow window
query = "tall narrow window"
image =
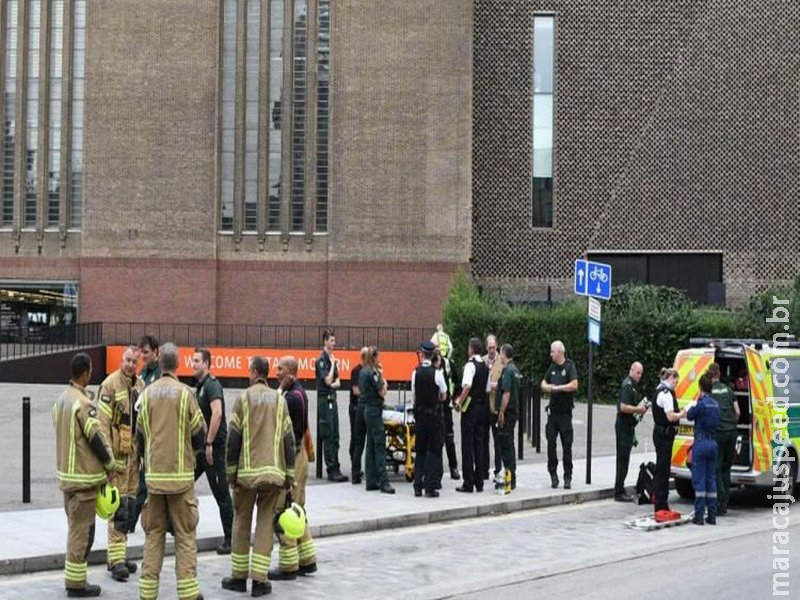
(299, 68)
(32, 110)
(228, 112)
(323, 112)
(251, 116)
(10, 113)
(78, 78)
(54, 132)
(543, 52)
(275, 89)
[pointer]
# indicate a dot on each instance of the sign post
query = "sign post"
(594, 280)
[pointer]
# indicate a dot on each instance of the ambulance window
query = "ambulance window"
(792, 389)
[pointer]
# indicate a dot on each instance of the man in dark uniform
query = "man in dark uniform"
(726, 436)
(453, 383)
(151, 371)
(628, 407)
(429, 392)
(356, 435)
(211, 400)
(561, 382)
(327, 411)
(507, 409)
(474, 408)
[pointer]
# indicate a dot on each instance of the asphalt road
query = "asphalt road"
(574, 551)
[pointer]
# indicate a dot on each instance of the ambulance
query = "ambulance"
(765, 378)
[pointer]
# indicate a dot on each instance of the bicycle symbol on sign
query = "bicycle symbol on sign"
(598, 273)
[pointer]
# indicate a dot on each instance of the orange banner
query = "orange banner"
(234, 362)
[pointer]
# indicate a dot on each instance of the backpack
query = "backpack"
(644, 483)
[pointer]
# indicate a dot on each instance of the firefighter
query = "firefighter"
(151, 371)
(83, 459)
(169, 432)
(296, 556)
(117, 396)
(328, 382)
(260, 464)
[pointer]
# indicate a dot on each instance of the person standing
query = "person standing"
(492, 360)
(561, 382)
(170, 431)
(629, 405)
(453, 381)
(428, 390)
(83, 460)
(357, 433)
(507, 409)
(726, 436)
(151, 371)
(472, 404)
(327, 375)
(117, 395)
(211, 400)
(260, 464)
(295, 556)
(666, 415)
(705, 414)
(372, 390)
(442, 341)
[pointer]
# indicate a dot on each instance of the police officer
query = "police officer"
(260, 464)
(705, 414)
(561, 382)
(83, 457)
(429, 391)
(473, 406)
(666, 416)
(507, 409)
(327, 374)
(628, 407)
(726, 436)
(295, 557)
(372, 390)
(211, 400)
(117, 396)
(151, 371)
(170, 430)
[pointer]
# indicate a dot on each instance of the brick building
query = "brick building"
(234, 161)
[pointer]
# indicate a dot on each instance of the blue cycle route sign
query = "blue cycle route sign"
(592, 279)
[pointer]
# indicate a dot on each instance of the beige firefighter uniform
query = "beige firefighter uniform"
(83, 458)
(260, 463)
(294, 554)
(169, 429)
(116, 398)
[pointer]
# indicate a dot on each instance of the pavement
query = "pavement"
(34, 540)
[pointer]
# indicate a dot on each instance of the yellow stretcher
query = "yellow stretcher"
(398, 424)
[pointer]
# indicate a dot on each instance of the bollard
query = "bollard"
(26, 450)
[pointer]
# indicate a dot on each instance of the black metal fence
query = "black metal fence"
(66, 337)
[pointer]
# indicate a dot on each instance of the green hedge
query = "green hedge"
(640, 322)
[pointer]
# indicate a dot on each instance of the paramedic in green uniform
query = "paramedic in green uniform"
(726, 436)
(561, 383)
(327, 410)
(625, 426)
(507, 408)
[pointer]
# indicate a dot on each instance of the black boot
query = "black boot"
(234, 584)
(261, 588)
(87, 591)
(225, 547)
(131, 566)
(554, 481)
(278, 575)
(119, 572)
(337, 477)
(454, 474)
(567, 483)
(308, 569)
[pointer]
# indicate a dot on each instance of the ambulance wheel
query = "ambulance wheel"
(684, 489)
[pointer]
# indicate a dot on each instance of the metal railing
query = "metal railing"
(16, 344)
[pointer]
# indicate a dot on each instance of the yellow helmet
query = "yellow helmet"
(107, 501)
(291, 522)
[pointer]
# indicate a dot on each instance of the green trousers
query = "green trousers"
(329, 430)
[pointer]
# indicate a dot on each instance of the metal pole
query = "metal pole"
(520, 432)
(589, 419)
(26, 450)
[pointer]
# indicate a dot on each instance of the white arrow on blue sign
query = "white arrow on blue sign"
(592, 279)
